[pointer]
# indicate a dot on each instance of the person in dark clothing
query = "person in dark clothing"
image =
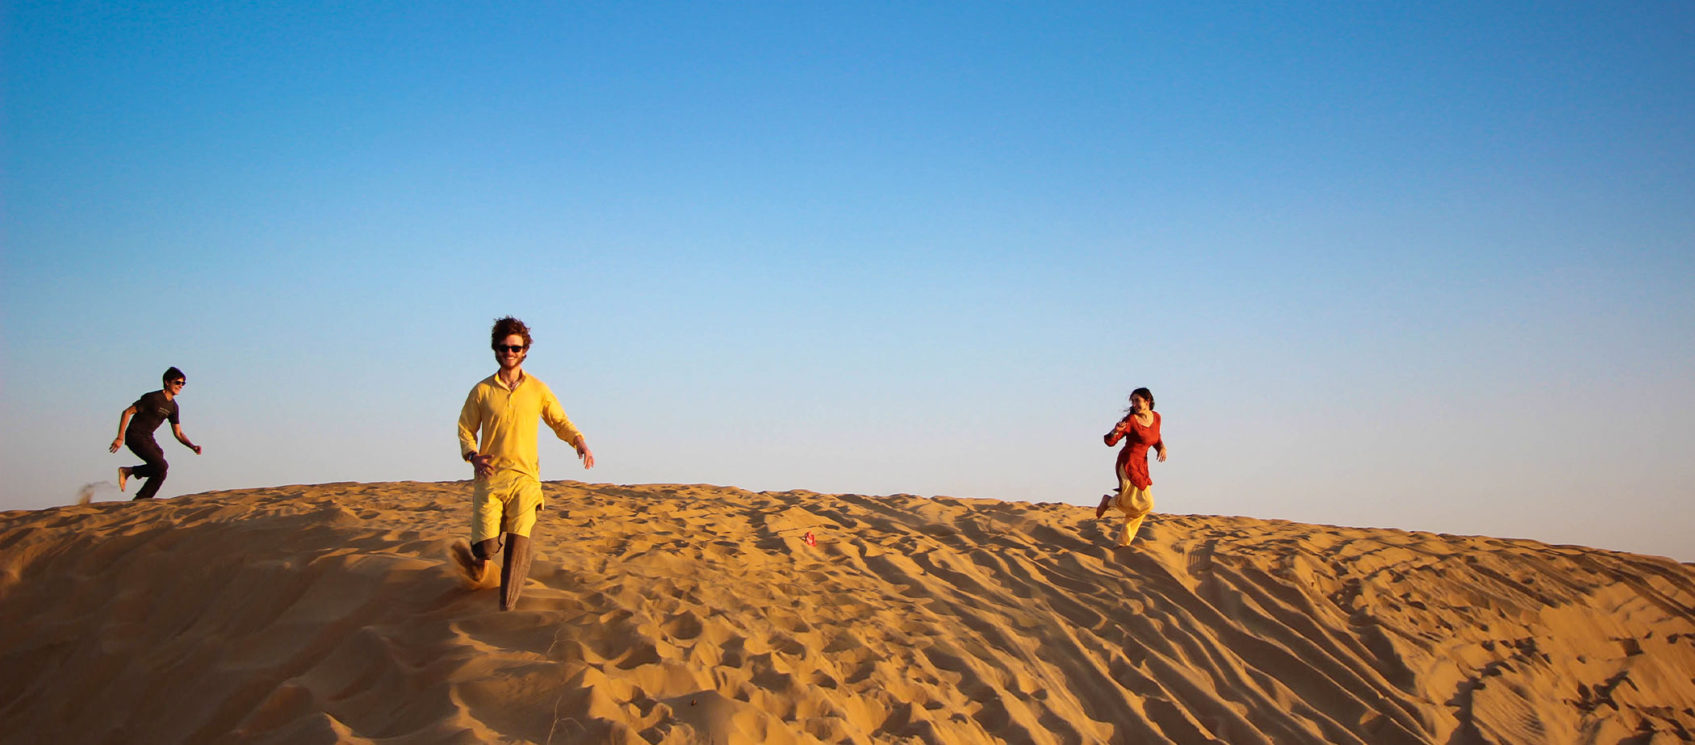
(149, 411)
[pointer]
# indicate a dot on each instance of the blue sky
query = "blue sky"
(1421, 266)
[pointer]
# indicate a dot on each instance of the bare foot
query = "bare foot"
(473, 569)
(123, 477)
(1106, 501)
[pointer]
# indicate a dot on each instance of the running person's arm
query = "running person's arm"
(554, 415)
(176, 429)
(1117, 432)
(470, 421)
(583, 451)
(1159, 447)
(123, 423)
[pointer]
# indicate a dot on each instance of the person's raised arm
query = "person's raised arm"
(123, 423)
(1117, 432)
(176, 429)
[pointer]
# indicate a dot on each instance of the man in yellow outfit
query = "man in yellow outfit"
(501, 414)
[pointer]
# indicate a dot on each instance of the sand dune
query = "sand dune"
(684, 614)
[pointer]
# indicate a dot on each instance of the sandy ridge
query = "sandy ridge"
(690, 613)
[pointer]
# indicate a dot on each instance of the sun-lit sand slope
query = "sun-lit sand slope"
(682, 614)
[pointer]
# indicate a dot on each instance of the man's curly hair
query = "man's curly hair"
(506, 327)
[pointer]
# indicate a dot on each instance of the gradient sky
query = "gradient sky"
(1411, 265)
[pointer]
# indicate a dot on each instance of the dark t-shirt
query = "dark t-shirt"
(151, 410)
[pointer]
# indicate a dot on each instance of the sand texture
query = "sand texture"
(699, 614)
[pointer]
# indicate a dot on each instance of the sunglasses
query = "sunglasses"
(513, 348)
(179, 383)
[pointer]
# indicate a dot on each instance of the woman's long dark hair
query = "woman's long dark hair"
(1144, 393)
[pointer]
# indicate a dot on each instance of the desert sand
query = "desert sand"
(699, 614)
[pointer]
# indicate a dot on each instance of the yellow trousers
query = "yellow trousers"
(1135, 504)
(506, 502)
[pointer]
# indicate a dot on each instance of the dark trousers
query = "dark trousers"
(153, 470)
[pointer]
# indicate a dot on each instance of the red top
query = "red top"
(1133, 459)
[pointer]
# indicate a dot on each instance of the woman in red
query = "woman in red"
(1139, 430)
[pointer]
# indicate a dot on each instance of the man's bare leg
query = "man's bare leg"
(515, 570)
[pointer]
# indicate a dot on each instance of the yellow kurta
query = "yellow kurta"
(501, 422)
(505, 423)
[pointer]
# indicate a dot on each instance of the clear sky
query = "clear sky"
(1410, 265)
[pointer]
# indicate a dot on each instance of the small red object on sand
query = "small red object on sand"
(810, 541)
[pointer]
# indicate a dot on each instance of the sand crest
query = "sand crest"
(684, 614)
